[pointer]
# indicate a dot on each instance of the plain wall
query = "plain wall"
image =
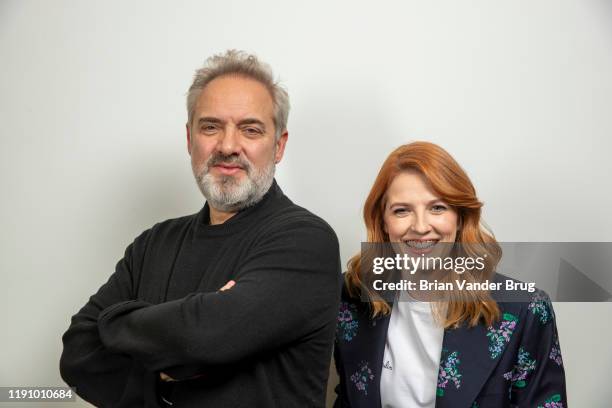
(93, 148)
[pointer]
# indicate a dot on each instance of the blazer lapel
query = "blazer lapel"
(366, 373)
(468, 358)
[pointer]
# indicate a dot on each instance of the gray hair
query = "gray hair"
(235, 62)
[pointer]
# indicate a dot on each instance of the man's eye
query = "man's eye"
(252, 131)
(209, 128)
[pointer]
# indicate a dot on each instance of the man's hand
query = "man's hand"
(228, 285)
(166, 377)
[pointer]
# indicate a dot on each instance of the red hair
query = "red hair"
(450, 182)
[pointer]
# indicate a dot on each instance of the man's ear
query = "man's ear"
(280, 146)
(188, 138)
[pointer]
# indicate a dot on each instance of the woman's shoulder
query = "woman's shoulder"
(523, 298)
(352, 299)
(509, 289)
(349, 295)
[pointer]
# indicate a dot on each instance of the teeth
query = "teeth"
(421, 244)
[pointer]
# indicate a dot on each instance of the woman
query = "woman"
(460, 348)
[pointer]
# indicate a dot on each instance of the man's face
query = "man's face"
(231, 142)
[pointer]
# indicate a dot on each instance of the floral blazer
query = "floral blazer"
(514, 363)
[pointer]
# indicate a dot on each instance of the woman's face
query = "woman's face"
(415, 215)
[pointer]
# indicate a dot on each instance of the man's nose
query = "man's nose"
(229, 142)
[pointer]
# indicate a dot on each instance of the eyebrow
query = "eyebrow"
(209, 119)
(252, 121)
(246, 121)
(435, 200)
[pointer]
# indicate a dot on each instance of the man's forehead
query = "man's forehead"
(235, 98)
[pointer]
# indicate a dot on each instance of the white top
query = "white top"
(412, 356)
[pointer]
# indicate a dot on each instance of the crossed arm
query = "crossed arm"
(273, 303)
(285, 290)
(165, 377)
(99, 374)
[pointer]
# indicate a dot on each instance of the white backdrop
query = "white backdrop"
(93, 147)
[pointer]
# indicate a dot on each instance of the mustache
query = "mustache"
(234, 159)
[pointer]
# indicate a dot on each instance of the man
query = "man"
(233, 306)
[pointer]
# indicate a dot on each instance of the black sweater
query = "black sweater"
(266, 342)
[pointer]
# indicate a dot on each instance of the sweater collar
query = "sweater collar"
(243, 216)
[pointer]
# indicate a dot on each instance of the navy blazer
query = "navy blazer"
(514, 363)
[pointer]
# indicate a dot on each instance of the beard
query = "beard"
(226, 192)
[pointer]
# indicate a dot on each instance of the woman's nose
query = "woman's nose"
(420, 224)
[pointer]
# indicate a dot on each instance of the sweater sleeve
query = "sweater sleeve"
(99, 374)
(538, 379)
(286, 290)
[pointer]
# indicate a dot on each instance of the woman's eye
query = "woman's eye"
(438, 208)
(400, 211)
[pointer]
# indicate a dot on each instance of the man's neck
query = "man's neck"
(219, 217)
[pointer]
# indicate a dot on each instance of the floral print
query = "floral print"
(347, 323)
(555, 351)
(507, 363)
(448, 371)
(539, 306)
(553, 401)
(524, 366)
(362, 377)
(498, 338)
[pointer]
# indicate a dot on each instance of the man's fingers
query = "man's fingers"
(227, 286)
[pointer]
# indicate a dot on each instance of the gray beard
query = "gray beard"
(227, 194)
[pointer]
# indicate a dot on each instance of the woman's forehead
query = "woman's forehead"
(412, 186)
